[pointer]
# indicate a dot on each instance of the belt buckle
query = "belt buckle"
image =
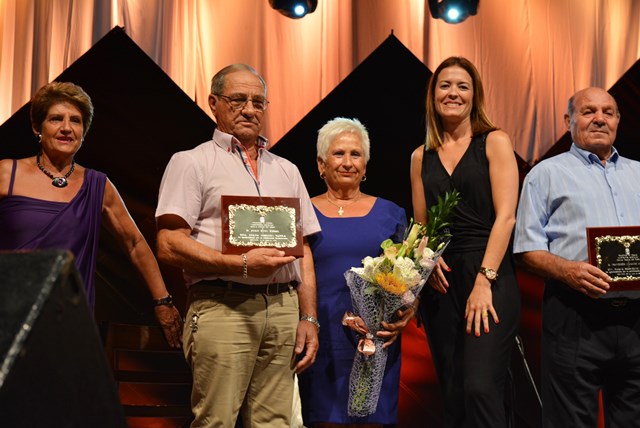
(618, 303)
(268, 291)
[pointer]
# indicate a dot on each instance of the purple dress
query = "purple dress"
(342, 244)
(28, 223)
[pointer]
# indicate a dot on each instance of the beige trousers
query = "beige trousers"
(240, 349)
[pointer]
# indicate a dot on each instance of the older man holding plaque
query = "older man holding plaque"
(251, 321)
(590, 323)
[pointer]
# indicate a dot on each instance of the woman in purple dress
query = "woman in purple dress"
(48, 201)
(353, 226)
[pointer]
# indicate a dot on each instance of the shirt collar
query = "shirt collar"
(592, 158)
(228, 141)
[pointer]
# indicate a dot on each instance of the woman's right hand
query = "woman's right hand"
(436, 280)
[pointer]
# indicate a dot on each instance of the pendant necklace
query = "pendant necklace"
(340, 206)
(57, 181)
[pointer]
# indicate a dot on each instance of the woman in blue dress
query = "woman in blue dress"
(353, 226)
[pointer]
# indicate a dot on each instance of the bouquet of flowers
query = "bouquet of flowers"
(381, 287)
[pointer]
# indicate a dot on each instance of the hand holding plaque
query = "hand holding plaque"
(616, 251)
(261, 221)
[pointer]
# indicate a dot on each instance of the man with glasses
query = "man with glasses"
(251, 320)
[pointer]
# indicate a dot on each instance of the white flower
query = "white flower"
(370, 268)
(426, 258)
(405, 268)
(427, 264)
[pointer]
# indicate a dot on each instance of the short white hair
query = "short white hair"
(341, 125)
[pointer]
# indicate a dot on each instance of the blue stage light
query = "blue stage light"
(453, 11)
(453, 14)
(300, 10)
(294, 9)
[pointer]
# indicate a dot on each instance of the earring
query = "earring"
(364, 178)
(39, 138)
(322, 175)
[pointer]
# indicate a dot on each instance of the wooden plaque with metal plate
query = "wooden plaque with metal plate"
(261, 221)
(616, 250)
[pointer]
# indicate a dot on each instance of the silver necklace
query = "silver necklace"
(340, 206)
(57, 181)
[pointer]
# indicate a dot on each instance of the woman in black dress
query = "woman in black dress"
(472, 309)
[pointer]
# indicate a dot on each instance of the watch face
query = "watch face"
(489, 273)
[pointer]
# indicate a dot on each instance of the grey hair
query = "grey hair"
(340, 125)
(218, 81)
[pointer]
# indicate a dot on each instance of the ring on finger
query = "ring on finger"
(485, 314)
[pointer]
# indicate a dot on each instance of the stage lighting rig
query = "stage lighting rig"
(453, 11)
(294, 9)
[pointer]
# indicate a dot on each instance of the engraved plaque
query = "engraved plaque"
(261, 221)
(616, 250)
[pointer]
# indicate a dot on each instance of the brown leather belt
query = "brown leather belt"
(272, 289)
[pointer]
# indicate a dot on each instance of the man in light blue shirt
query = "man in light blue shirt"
(591, 333)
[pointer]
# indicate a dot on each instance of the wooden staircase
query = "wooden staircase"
(153, 380)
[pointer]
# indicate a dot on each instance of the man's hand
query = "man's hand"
(307, 341)
(581, 276)
(262, 262)
(171, 323)
(585, 278)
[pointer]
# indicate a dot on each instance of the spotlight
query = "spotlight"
(453, 11)
(294, 9)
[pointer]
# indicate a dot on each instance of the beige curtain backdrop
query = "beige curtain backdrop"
(532, 54)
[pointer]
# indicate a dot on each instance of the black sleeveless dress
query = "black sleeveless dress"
(471, 370)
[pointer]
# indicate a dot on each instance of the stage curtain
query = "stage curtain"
(532, 54)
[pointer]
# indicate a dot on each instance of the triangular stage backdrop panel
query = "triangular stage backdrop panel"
(626, 91)
(386, 93)
(141, 118)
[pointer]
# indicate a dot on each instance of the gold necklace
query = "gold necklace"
(340, 207)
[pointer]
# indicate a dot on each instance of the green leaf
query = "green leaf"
(438, 218)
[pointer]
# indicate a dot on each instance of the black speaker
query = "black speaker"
(53, 369)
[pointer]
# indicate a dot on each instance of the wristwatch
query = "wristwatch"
(164, 301)
(311, 319)
(491, 274)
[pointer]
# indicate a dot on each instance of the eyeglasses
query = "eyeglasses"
(238, 102)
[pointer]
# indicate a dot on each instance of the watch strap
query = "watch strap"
(164, 301)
